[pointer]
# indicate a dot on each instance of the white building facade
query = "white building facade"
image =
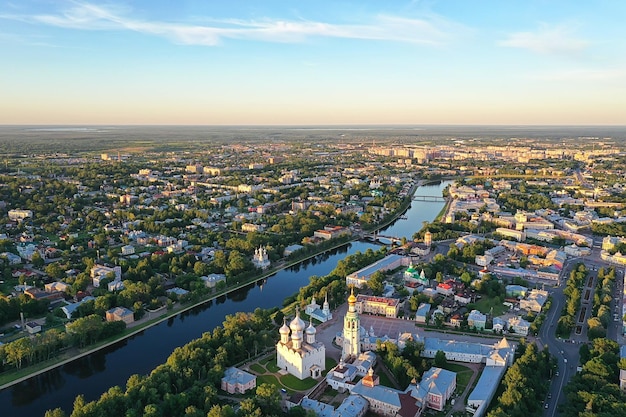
(302, 358)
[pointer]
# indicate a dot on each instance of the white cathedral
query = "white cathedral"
(301, 358)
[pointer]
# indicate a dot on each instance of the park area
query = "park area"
(267, 371)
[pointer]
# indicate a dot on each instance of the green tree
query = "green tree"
(57, 412)
(440, 359)
(55, 271)
(37, 260)
(375, 283)
(466, 278)
(221, 411)
(268, 398)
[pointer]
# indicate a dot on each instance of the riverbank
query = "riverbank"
(12, 378)
(148, 321)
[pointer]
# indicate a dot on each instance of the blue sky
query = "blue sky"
(313, 62)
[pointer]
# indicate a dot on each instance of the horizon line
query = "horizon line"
(313, 125)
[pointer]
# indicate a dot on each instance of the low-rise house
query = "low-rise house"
(71, 307)
(445, 288)
(120, 314)
(476, 319)
(351, 406)
(212, 280)
(330, 232)
(456, 320)
(11, 258)
(236, 381)
(447, 305)
(421, 315)
(37, 294)
(464, 297)
(516, 290)
(519, 325)
(534, 301)
(33, 327)
(100, 272)
(115, 286)
(56, 286)
(128, 250)
(435, 388)
(499, 324)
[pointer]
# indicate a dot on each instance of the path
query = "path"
(459, 402)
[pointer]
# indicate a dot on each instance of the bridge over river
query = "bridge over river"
(432, 198)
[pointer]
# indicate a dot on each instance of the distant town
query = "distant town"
(510, 302)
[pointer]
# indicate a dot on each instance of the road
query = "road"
(566, 351)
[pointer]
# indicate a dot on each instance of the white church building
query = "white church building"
(322, 314)
(302, 358)
(260, 259)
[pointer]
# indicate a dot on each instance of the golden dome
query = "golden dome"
(352, 298)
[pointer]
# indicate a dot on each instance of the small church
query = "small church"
(319, 313)
(260, 259)
(297, 352)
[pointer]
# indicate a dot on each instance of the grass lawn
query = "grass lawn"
(295, 384)
(463, 375)
(267, 360)
(272, 367)
(258, 368)
(269, 379)
(384, 379)
(330, 364)
(484, 306)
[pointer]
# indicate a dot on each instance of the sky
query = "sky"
(272, 62)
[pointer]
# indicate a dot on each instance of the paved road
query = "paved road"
(567, 351)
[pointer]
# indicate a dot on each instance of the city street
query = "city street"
(567, 351)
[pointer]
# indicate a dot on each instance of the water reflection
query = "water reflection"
(86, 366)
(241, 294)
(28, 391)
(140, 354)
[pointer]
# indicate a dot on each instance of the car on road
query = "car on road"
(546, 406)
(549, 395)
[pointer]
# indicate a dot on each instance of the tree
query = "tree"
(375, 283)
(466, 278)
(268, 398)
(57, 412)
(55, 271)
(236, 264)
(37, 260)
(221, 411)
(440, 359)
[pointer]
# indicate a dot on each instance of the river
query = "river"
(94, 374)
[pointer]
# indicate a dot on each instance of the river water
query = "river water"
(94, 374)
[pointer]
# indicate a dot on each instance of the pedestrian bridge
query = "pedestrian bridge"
(431, 198)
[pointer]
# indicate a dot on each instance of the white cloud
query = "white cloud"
(583, 74)
(555, 40)
(431, 30)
